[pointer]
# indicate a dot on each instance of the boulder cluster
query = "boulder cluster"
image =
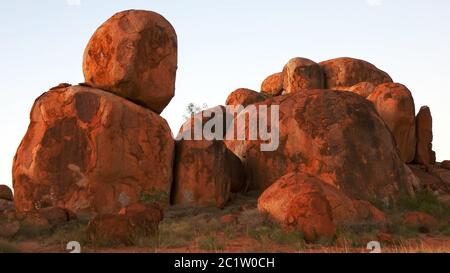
(348, 133)
(100, 150)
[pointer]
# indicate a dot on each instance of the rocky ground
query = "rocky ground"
(240, 228)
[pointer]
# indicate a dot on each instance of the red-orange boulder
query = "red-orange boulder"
(134, 55)
(137, 223)
(54, 215)
(6, 206)
(91, 151)
(302, 74)
(395, 104)
(6, 193)
(205, 172)
(245, 97)
(424, 134)
(421, 221)
(445, 164)
(347, 145)
(346, 72)
(8, 227)
(431, 180)
(273, 85)
(33, 224)
(347, 211)
(296, 201)
(364, 89)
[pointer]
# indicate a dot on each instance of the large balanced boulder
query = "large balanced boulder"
(424, 133)
(336, 136)
(302, 74)
(6, 193)
(87, 150)
(273, 85)
(297, 201)
(245, 97)
(395, 104)
(347, 72)
(134, 55)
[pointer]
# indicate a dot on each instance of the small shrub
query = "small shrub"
(424, 201)
(175, 234)
(6, 247)
(397, 227)
(230, 231)
(154, 196)
(206, 227)
(270, 233)
(72, 231)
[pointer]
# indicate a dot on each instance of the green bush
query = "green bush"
(6, 247)
(424, 201)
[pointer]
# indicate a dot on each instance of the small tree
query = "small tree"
(192, 109)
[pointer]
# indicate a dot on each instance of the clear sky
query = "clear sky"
(227, 44)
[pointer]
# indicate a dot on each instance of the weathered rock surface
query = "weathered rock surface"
(346, 72)
(134, 55)
(336, 136)
(6, 206)
(205, 171)
(138, 221)
(345, 211)
(273, 85)
(55, 216)
(9, 226)
(421, 221)
(444, 176)
(296, 201)
(91, 151)
(33, 224)
(302, 74)
(445, 164)
(6, 193)
(245, 97)
(431, 180)
(395, 105)
(364, 89)
(424, 135)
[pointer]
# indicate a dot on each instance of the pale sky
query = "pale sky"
(224, 45)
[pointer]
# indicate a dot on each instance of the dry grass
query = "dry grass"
(8, 247)
(200, 230)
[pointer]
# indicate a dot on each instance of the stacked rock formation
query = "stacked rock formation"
(347, 134)
(102, 146)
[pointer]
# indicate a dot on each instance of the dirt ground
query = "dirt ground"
(237, 228)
